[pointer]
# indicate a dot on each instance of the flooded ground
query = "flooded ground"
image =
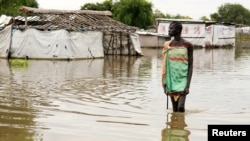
(121, 98)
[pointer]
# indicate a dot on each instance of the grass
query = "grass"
(19, 63)
(242, 37)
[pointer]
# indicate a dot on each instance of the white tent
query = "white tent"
(58, 44)
(5, 40)
(4, 21)
(67, 34)
(245, 30)
(193, 31)
(220, 35)
(199, 34)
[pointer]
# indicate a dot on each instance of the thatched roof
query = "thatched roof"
(71, 20)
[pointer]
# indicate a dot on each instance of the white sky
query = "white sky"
(192, 8)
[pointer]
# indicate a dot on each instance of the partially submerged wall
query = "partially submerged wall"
(58, 44)
(61, 44)
(5, 40)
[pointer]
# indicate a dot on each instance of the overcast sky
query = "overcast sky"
(192, 8)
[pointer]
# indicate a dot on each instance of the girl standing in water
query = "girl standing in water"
(177, 67)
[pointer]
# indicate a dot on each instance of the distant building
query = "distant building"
(198, 32)
(201, 33)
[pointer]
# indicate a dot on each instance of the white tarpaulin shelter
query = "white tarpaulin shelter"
(219, 35)
(199, 34)
(193, 32)
(5, 40)
(58, 44)
(4, 21)
(136, 43)
(66, 34)
(245, 30)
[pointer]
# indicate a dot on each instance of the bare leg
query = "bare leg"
(179, 105)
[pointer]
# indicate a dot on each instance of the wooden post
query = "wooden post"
(128, 37)
(115, 43)
(120, 43)
(26, 20)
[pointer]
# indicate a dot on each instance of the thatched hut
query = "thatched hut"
(70, 34)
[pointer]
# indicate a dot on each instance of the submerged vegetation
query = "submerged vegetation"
(242, 36)
(19, 63)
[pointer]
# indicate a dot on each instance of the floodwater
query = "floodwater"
(121, 98)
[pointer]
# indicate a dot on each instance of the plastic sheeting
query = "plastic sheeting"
(136, 43)
(194, 33)
(59, 44)
(245, 30)
(220, 35)
(4, 21)
(5, 40)
(199, 35)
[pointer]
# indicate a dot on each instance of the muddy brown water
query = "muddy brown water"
(120, 98)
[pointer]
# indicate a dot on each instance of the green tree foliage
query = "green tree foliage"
(136, 13)
(106, 5)
(11, 7)
(232, 13)
(158, 14)
(177, 16)
(204, 18)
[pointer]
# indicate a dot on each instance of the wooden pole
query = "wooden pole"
(120, 43)
(26, 20)
(128, 37)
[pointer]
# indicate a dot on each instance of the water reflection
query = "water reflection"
(35, 97)
(241, 51)
(214, 58)
(17, 115)
(219, 80)
(119, 97)
(175, 128)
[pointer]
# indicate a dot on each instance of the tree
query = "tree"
(158, 14)
(106, 5)
(178, 16)
(136, 13)
(204, 18)
(232, 13)
(11, 7)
